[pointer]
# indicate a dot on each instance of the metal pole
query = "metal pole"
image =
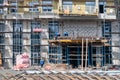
(91, 54)
(78, 57)
(82, 53)
(67, 54)
(86, 53)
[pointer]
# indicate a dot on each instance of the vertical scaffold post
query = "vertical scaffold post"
(59, 54)
(86, 59)
(78, 57)
(109, 56)
(89, 58)
(91, 54)
(82, 53)
(103, 56)
(67, 54)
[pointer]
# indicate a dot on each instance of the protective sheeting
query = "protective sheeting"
(22, 62)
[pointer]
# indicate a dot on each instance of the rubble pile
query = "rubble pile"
(42, 74)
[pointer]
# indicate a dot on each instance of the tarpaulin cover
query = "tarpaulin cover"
(22, 62)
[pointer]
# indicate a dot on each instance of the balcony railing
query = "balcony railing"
(88, 10)
(109, 14)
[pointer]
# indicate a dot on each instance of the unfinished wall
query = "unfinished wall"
(115, 44)
(44, 39)
(8, 55)
(26, 37)
(81, 28)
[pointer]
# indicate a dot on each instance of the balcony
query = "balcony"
(29, 16)
(107, 16)
(15, 0)
(26, 16)
(78, 11)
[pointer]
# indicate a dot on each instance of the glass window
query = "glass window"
(35, 24)
(67, 5)
(33, 9)
(106, 28)
(1, 1)
(90, 3)
(2, 48)
(52, 49)
(90, 7)
(2, 38)
(67, 2)
(17, 37)
(53, 28)
(46, 8)
(17, 48)
(2, 26)
(13, 10)
(101, 7)
(35, 37)
(47, 2)
(35, 59)
(107, 36)
(17, 26)
(1, 11)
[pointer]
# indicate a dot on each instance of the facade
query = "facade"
(26, 26)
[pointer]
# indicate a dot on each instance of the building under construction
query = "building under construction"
(74, 32)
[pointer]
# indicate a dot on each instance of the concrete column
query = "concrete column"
(60, 2)
(97, 5)
(8, 55)
(44, 40)
(60, 5)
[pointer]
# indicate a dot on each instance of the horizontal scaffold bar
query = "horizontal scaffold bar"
(69, 40)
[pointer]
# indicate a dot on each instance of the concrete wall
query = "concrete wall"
(44, 39)
(73, 27)
(115, 42)
(8, 48)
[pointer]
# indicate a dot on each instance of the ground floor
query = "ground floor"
(81, 52)
(33, 37)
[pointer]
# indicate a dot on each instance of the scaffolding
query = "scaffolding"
(116, 6)
(81, 52)
(35, 43)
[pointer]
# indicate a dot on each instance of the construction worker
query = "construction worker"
(57, 35)
(41, 62)
(65, 33)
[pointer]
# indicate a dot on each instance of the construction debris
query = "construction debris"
(42, 74)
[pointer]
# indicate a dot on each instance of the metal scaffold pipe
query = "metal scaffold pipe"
(82, 53)
(86, 54)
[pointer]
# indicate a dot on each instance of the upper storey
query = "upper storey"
(67, 8)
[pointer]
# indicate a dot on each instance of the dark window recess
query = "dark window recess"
(1, 1)
(101, 9)
(13, 10)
